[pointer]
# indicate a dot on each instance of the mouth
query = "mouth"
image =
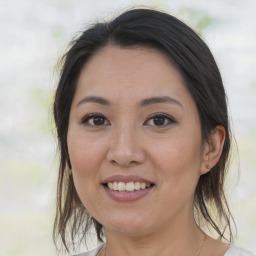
(127, 186)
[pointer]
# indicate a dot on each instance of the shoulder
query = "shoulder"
(232, 251)
(237, 251)
(93, 252)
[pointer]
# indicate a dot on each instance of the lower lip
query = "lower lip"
(127, 196)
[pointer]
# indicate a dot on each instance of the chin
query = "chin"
(128, 225)
(129, 230)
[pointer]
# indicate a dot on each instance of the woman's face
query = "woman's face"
(134, 141)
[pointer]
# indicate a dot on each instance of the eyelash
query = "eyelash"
(167, 118)
(87, 118)
(92, 116)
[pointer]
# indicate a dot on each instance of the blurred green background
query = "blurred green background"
(33, 35)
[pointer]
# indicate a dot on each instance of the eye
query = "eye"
(95, 120)
(160, 120)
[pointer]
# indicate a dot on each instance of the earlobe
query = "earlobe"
(213, 149)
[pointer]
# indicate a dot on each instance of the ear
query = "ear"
(212, 149)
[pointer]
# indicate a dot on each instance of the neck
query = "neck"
(175, 240)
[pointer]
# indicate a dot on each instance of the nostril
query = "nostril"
(123, 154)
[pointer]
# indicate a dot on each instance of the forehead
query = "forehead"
(137, 72)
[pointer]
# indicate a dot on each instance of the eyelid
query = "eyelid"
(167, 116)
(86, 118)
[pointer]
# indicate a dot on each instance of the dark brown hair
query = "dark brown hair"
(192, 57)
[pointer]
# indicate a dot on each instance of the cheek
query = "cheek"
(179, 152)
(84, 152)
(86, 158)
(179, 160)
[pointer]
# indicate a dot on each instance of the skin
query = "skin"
(127, 141)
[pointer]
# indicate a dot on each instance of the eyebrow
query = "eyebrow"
(94, 99)
(143, 103)
(163, 99)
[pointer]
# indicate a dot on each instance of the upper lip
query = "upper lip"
(126, 178)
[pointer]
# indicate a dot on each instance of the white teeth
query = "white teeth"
(115, 186)
(129, 186)
(143, 185)
(121, 186)
(137, 185)
(110, 185)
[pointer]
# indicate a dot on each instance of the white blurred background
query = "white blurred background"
(33, 35)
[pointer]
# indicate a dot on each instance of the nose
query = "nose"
(126, 148)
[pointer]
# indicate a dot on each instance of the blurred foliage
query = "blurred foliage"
(247, 148)
(44, 100)
(42, 97)
(198, 19)
(27, 234)
(58, 32)
(26, 172)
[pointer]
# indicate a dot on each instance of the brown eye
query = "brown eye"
(95, 120)
(98, 121)
(160, 120)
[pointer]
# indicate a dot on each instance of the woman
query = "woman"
(144, 138)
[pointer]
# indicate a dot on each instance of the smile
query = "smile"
(127, 186)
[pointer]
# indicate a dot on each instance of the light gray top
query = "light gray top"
(232, 251)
